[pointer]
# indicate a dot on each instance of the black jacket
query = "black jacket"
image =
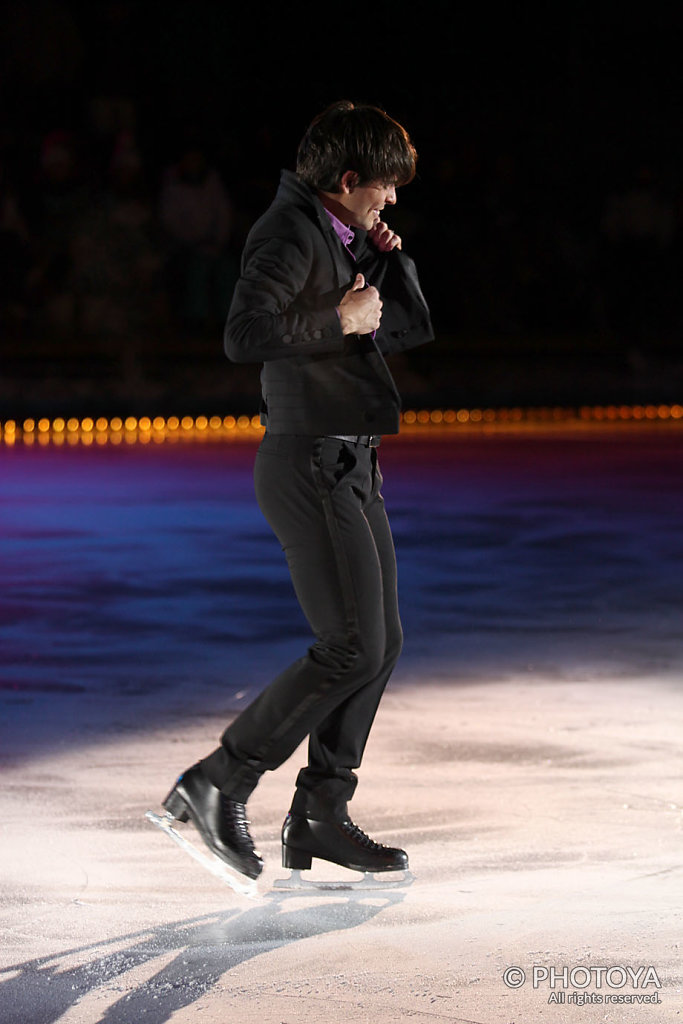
(294, 273)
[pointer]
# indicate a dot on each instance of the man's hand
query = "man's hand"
(360, 310)
(383, 238)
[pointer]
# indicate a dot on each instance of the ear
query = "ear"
(349, 180)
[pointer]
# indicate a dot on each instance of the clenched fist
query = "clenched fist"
(360, 310)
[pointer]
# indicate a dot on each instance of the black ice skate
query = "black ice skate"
(222, 824)
(343, 843)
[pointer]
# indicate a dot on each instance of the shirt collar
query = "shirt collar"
(343, 231)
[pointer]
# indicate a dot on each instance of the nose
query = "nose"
(391, 195)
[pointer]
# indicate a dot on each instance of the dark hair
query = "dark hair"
(359, 138)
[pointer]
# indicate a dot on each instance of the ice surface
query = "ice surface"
(527, 754)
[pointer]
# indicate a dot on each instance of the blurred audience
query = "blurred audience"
(637, 229)
(115, 251)
(56, 205)
(104, 241)
(15, 257)
(196, 216)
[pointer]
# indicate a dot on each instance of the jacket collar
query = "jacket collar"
(293, 191)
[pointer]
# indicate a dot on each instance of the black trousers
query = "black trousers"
(321, 496)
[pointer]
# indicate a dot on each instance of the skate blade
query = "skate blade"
(244, 886)
(369, 882)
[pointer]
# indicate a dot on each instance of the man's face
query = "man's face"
(363, 204)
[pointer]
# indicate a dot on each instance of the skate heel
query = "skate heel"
(298, 860)
(176, 806)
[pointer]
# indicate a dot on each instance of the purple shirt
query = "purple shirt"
(345, 236)
(343, 232)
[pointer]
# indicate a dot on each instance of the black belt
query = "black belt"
(365, 440)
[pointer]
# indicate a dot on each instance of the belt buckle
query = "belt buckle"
(374, 440)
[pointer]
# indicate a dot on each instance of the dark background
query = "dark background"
(546, 218)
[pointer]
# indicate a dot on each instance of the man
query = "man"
(325, 292)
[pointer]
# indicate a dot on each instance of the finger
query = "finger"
(358, 283)
(386, 239)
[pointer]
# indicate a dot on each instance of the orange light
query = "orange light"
(75, 431)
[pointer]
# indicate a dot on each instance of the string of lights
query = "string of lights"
(158, 429)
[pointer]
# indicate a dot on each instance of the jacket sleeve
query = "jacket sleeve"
(275, 312)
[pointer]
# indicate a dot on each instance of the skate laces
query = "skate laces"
(235, 813)
(356, 833)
